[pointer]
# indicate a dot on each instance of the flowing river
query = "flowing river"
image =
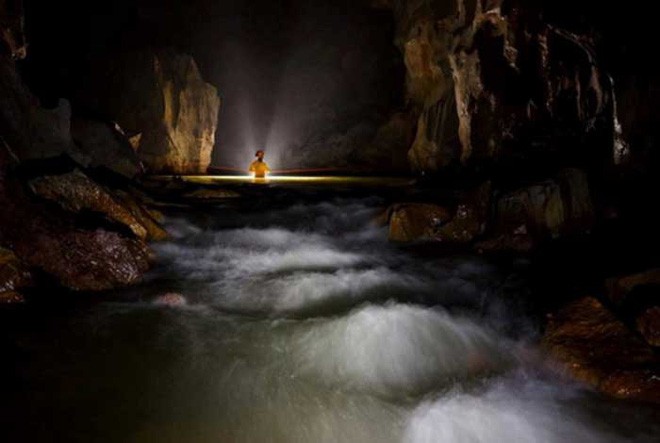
(301, 323)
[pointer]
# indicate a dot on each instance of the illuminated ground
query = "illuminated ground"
(293, 180)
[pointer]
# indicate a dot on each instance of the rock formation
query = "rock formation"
(595, 347)
(57, 242)
(48, 240)
(161, 102)
(492, 80)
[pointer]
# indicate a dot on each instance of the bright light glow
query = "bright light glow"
(294, 179)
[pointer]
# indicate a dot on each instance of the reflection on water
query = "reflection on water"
(301, 325)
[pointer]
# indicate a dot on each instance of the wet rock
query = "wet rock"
(593, 346)
(150, 219)
(105, 146)
(46, 238)
(470, 218)
(76, 192)
(14, 276)
(416, 221)
(212, 194)
(160, 96)
(552, 208)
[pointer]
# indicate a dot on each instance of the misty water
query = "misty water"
(300, 324)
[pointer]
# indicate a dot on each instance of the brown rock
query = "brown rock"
(596, 348)
(76, 192)
(150, 219)
(162, 96)
(416, 221)
(470, 219)
(46, 238)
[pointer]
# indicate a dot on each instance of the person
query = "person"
(259, 167)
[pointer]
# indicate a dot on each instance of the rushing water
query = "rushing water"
(301, 324)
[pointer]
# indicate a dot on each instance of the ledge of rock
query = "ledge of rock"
(77, 193)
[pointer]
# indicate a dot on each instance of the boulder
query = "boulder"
(470, 219)
(150, 219)
(47, 239)
(162, 103)
(76, 192)
(105, 146)
(416, 221)
(593, 346)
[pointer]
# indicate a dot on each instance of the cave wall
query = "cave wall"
(162, 104)
(492, 80)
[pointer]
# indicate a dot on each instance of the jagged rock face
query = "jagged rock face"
(492, 80)
(162, 103)
(12, 32)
